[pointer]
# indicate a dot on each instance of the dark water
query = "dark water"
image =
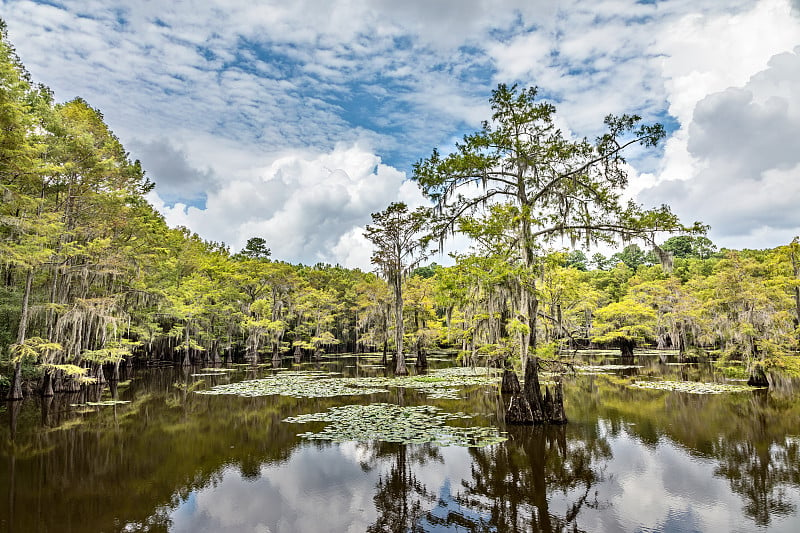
(629, 460)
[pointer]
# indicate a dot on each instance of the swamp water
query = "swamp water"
(632, 458)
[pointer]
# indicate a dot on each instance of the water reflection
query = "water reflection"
(400, 497)
(175, 461)
(512, 486)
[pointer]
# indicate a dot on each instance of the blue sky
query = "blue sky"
(295, 120)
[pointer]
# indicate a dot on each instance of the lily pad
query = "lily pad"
(101, 404)
(392, 423)
(300, 384)
(691, 387)
(438, 384)
(596, 369)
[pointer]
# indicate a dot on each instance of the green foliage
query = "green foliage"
(547, 350)
(626, 320)
(33, 349)
(632, 256)
(92, 274)
(256, 248)
(688, 246)
(427, 271)
(577, 259)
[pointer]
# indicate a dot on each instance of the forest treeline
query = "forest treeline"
(92, 275)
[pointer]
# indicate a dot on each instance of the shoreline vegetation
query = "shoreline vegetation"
(92, 277)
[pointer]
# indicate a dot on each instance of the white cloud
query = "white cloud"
(213, 97)
(309, 207)
(745, 155)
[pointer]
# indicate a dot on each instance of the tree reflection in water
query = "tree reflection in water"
(511, 485)
(400, 498)
(759, 466)
(134, 465)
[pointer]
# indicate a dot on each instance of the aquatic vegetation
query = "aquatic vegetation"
(692, 387)
(393, 423)
(439, 384)
(594, 369)
(100, 404)
(296, 384)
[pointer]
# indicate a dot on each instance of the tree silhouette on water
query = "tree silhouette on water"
(512, 484)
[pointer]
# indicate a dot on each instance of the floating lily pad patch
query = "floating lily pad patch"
(392, 423)
(595, 369)
(692, 387)
(100, 404)
(437, 384)
(302, 384)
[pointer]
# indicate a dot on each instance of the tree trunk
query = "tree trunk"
(519, 410)
(47, 385)
(557, 415)
(186, 361)
(527, 407)
(532, 390)
(422, 358)
(510, 383)
(71, 385)
(796, 270)
(400, 369)
(758, 378)
(15, 392)
(99, 375)
(626, 347)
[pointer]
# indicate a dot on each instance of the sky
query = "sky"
(295, 120)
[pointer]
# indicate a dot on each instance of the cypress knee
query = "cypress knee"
(510, 383)
(557, 414)
(519, 411)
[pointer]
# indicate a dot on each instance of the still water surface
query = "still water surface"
(629, 460)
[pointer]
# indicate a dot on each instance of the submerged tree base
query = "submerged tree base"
(758, 378)
(510, 384)
(528, 406)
